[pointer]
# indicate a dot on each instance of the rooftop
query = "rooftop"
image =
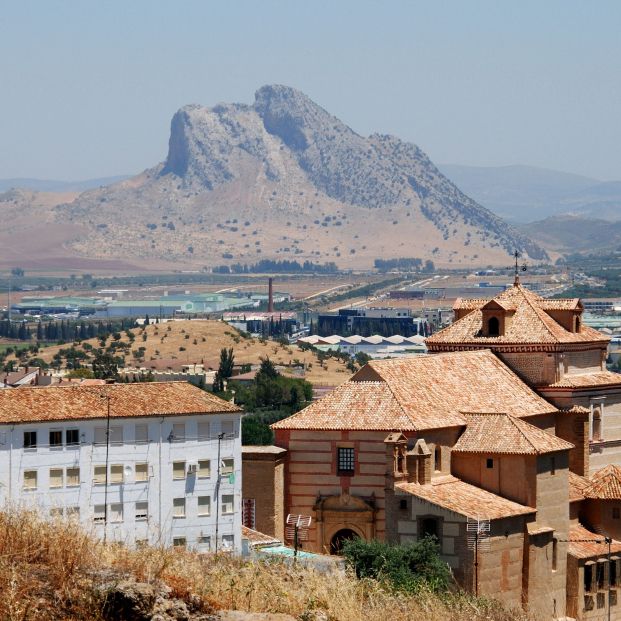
(531, 322)
(126, 401)
(585, 544)
(605, 484)
(501, 433)
(577, 486)
(423, 392)
(464, 499)
(587, 380)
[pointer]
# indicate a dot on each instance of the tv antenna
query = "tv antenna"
(478, 539)
(296, 530)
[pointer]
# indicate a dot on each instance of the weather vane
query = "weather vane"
(523, 268)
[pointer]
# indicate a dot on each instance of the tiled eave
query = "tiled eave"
(514, 348)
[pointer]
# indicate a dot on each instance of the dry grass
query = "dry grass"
(54, 570)
(203, 340)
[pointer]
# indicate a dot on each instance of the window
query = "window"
(178, 470)
(99, 513)
(178, 432)
(600, 574)
(116, 473)
(228, 427)
(428, 527)
(72, 437)
(30, 439)
(179, 542)
(141, 434)
(227, 467)
(56, 512)
(437, 455)
(493, 327)
(179, 507)
(204, 506)
(116, 435)
(99, 475)
(142, 511)
(403, 504)
(614, 574)
(73, 512)
(204, 469)
(30, 479)
(228, 504)
(142, 472)
(204, 543)
(489, 462)
(204, 431)
(345, 461)
(56, 438)
(100, 435)
(227, 542)
(554, 553)
(73, 477)
(56, 477)
(116, 512)
(616, 514)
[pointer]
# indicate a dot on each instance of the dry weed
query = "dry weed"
(53, 570)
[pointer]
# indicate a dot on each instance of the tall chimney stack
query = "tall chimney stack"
(270, 296)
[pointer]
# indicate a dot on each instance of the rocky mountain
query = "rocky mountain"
(283, 179)
(528, 193)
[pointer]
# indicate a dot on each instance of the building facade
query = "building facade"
(450, 444)
(147, 462)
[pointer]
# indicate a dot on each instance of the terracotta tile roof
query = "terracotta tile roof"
(126, 400)
(586, 544)
(424, 392)
(500, 433)
(468, 500)
(352, 405)
(528, 323)
(577, 486)
(586, 380)
(257, 539)
(605, 484)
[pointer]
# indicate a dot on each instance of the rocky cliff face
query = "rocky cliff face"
(296, 181)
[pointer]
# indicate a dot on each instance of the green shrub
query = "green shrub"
(406, 567)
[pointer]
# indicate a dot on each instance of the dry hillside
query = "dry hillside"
(55, 571)
(279, 179)
(175, 343)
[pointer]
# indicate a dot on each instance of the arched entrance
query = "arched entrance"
(339, 539)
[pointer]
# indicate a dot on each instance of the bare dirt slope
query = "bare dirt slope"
(175, 343)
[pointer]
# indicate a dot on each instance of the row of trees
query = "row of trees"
(413, 264)
(61, 331)
(267, 266)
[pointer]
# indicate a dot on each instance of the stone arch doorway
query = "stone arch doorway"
(340, 537)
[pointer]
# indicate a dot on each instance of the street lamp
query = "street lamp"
(107, 398)
(220, 438)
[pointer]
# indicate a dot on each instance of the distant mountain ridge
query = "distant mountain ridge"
(54, 185)
(528, 193)
(283, 179)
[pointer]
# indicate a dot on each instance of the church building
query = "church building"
(502, 444)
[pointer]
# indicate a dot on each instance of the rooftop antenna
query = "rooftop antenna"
(477, 536)
(296, 530)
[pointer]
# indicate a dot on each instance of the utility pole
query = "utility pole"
(220, 438)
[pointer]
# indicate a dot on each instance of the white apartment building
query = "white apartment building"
(145, 462)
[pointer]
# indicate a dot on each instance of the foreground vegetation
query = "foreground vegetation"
(54, 571)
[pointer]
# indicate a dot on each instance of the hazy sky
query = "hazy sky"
(87, 88)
